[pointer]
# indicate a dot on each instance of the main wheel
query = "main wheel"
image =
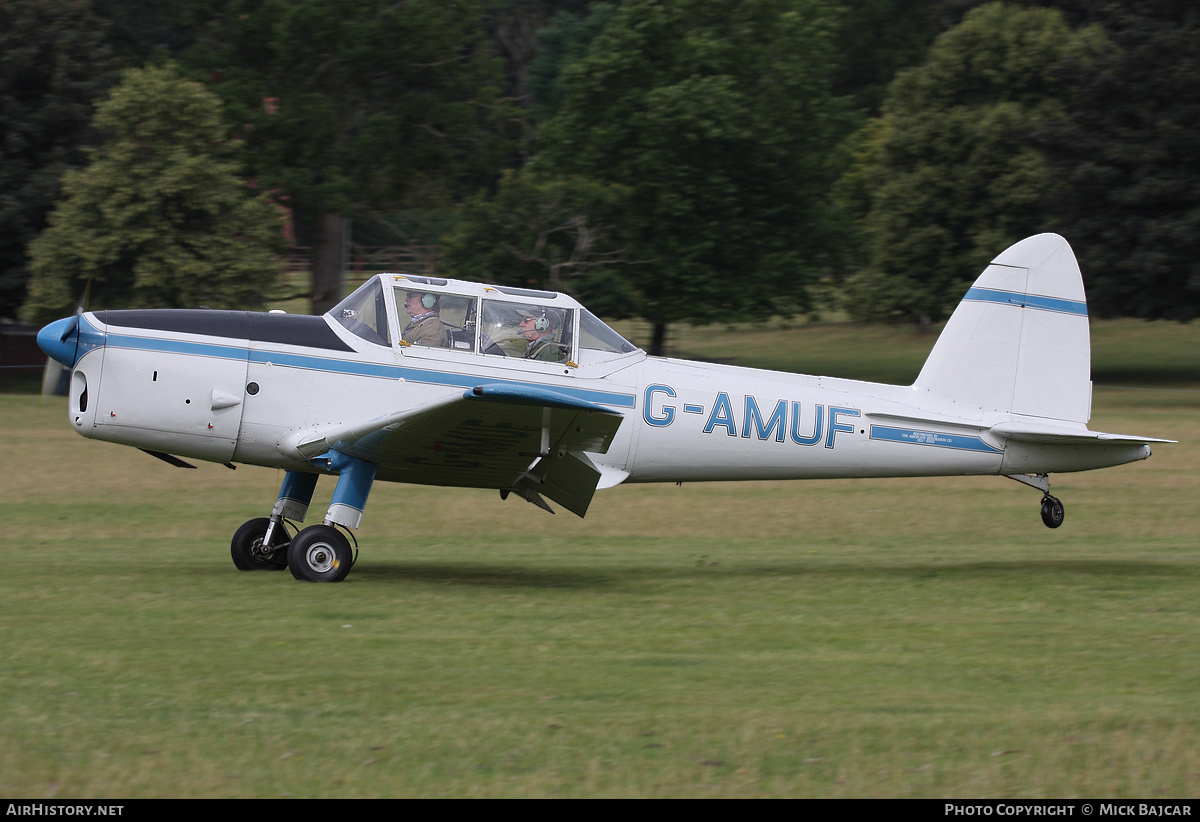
(1052, 511)
(320, 553)
(248, 551)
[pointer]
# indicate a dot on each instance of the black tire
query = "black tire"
(247, 552)
(1052, 511)
(320, 553)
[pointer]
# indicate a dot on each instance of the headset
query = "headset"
(541, 322)
(429, 300)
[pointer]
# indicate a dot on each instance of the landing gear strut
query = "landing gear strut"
(1052, 507)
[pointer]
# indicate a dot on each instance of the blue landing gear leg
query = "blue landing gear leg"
(321, 553)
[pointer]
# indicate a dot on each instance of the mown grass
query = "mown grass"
(923, 638)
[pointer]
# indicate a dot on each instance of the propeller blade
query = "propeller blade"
(69, 328)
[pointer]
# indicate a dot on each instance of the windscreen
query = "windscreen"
(363, 313)
(595, 335)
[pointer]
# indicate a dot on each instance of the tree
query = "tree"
(877, 38)
(564, 40)
(54, 63)
(955, 178)
(1126, 160)
(161, 217)
(557, 233)
(358, 106)
(139, 30)
(718, 119)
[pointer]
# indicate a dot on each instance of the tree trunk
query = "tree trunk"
(658, 340)
(327, 263)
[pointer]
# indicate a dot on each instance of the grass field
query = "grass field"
(925, 638)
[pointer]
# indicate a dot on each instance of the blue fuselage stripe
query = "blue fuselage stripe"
(937, 439)
(365, 369)
(224, 352)
(989, 295)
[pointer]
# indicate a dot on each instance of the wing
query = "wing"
(515, 438)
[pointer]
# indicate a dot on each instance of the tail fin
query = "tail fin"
(1019, 340)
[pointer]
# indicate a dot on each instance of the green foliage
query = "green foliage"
(359, 107)
(1127, 161)
(54, 63)
(139, 30)
(161, 217)
(953, 178)
(358, 104)
(718, 119)
(558, 233)
(564, 40)
(876, 39)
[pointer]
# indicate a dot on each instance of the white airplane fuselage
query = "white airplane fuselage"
(186, 394)
(1006, 391)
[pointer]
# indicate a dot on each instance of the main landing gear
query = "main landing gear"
(319, 553)
(1052, 507)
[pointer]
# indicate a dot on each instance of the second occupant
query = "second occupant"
(426, 326)
(538, 327)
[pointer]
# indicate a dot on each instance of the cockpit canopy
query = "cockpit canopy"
(468, 318)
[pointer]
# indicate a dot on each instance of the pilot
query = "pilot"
(426, 327)
(537, 327)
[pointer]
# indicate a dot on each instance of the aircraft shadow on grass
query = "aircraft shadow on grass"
(636, 580)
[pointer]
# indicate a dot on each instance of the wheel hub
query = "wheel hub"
(259, 551)
(320, 558)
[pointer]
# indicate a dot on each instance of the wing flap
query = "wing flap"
(569, 479)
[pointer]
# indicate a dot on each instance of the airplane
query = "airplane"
(443, 382)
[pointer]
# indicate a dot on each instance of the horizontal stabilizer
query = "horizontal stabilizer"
(1066, 435)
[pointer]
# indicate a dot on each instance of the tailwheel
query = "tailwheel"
(250, 554)
(320, 553)
(1052, 511)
